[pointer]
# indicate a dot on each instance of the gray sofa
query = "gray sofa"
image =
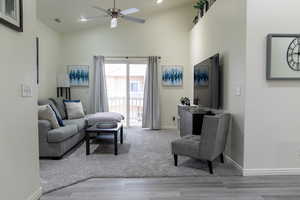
(54, 143)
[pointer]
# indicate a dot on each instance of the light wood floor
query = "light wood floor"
(194, 188)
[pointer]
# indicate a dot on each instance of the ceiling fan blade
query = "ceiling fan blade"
(95, 17)
(129, 11)
(101, 9)
(134, 19)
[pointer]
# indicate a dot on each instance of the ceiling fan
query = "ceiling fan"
(116, 14)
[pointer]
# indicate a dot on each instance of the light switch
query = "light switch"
(26, 91)
(238, 91)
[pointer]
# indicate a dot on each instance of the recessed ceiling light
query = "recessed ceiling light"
(83, 19)
(159, 1)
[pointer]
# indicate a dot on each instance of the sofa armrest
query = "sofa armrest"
(44, 128)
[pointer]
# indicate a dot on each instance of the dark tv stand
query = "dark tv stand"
(191, 120)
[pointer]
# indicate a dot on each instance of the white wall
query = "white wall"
(223, 30)
(272, 139)
(165, 34)
(19, 164)
(50, 59)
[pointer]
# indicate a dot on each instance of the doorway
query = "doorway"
(125, 89)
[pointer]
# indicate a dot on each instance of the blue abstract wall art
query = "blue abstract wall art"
(79, 75)
(172, 75)
(201, 77)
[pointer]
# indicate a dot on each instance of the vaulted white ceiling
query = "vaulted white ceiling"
(69, 11)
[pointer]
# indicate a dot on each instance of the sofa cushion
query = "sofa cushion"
(59, 103)
(61, 134)
(54, 108)
(74, 109)
(188, 146)
(45, 112)
(80, 123)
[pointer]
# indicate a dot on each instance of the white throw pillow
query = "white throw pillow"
(74, 110)
(46, 113)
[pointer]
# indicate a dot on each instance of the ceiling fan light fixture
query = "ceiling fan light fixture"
(115, 13)
(159, 1)
(114, 22)
(83, 19)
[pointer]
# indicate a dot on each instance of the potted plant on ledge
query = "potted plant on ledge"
(200, 6)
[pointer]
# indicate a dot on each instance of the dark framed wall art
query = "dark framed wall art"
(11, 14)
(283, 57)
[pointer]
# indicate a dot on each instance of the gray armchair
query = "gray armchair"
(209, 146)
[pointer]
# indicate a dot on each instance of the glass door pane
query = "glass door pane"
(137, 73)
(116, 79)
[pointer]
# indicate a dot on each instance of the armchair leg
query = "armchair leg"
(222, 158)
(175, 160)
(210, 166)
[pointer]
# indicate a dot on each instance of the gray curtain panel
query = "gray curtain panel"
(151, 113)
(99, 99)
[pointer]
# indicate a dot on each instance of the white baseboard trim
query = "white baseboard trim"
(271, 172)
(36, 195)
(263, 172)
(235, 164)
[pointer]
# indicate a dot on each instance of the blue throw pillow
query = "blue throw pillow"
(71, 101)
(59, 120)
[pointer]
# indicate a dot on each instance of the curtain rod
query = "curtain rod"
(127, 57)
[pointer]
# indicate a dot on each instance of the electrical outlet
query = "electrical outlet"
(238, 91)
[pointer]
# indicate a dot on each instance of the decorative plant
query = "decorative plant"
(200, 4)
(185, 101)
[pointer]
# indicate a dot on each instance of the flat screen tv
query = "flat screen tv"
(207, 83)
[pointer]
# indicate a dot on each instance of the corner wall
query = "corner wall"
(272, 139)
(50, 59)
(223, 30)
(19, 163)
(164, 34)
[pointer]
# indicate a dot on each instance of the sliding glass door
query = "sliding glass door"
(125, 88)
(116, 74)
(137, 73)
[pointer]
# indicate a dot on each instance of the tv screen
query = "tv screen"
(207, 83)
